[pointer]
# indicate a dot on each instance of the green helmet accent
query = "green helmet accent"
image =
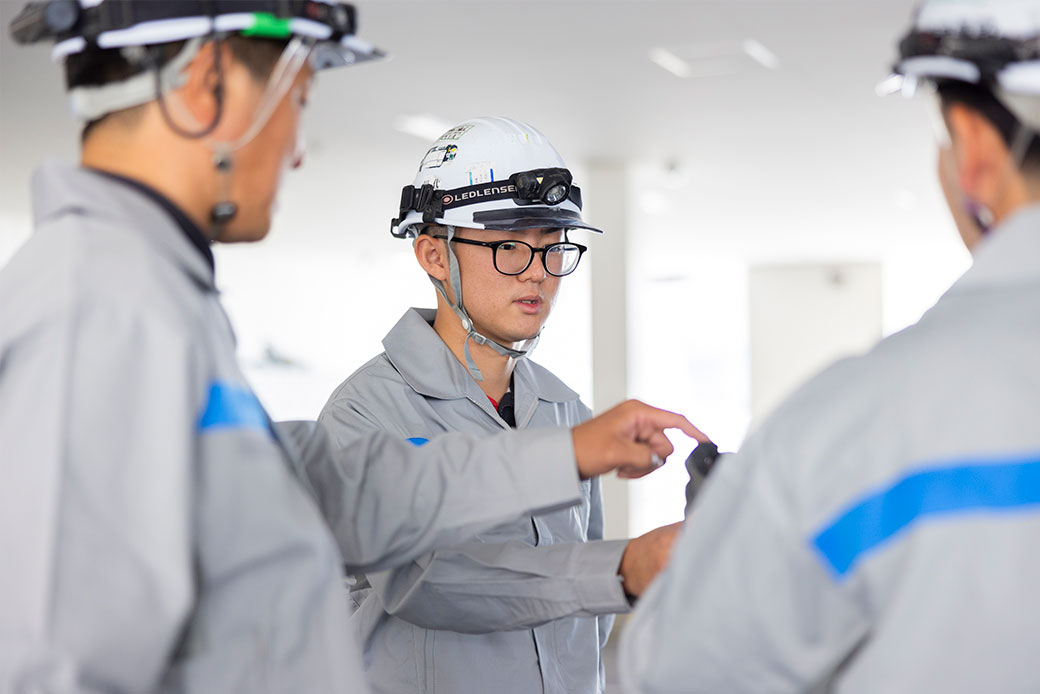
(267, 26)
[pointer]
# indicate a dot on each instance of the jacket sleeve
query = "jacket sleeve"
(97, 415)
(744, 605)
(388, 501)
(478, 587)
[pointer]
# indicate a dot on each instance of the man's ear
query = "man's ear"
(208, 93)
(432, 256)
(202, 89)
(981, 155)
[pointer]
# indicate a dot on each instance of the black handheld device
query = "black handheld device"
(699, 464)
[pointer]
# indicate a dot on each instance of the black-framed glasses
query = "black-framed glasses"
(514, 257)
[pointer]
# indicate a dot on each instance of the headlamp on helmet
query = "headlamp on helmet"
(542, 187)
(549, 187)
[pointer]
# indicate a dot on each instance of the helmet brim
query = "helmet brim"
(532, 218)
(329, 55)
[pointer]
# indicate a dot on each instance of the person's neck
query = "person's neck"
(496, 369)
(131, 156)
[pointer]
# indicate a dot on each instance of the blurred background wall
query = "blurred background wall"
(766, 211)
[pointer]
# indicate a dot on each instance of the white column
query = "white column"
(605, 198)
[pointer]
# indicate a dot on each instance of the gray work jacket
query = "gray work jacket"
(522, 608)
(878, 533)
(153, 536)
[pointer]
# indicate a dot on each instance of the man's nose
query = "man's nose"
(535, 272)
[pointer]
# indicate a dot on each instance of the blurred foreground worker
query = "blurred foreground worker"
(879, 532)
(526, 606)
(153, 533)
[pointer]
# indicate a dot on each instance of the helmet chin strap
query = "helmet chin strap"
(467, 323)
(282, 76)
(224, 210)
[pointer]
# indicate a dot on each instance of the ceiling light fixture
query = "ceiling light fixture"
(423, 125)
(760, 54)
(670, 61)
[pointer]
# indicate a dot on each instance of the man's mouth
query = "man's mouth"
(529, 303)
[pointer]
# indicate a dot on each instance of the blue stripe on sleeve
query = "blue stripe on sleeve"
(968, 487)
(230, 406)
(417, 441)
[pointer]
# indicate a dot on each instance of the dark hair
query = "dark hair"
(985, 103)
(95, 67)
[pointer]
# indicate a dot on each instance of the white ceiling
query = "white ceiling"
(580, 71)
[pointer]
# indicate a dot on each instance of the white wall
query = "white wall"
(689, 339)
(804, 317)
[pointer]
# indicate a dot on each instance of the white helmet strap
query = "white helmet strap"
(91, 103)
(460, 311)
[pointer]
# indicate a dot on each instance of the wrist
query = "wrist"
(580, 457)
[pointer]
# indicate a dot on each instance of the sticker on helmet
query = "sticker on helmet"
(481, 172)
(456, 132)
(437, 156)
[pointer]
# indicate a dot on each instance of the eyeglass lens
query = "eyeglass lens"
(559, 259)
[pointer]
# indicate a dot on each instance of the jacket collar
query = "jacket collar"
(431, 369)
(1009, 255)
(60, 189)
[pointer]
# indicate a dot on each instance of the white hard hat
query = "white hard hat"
(491, 173)
(318, 31)
(75, 25)
(990, 43)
